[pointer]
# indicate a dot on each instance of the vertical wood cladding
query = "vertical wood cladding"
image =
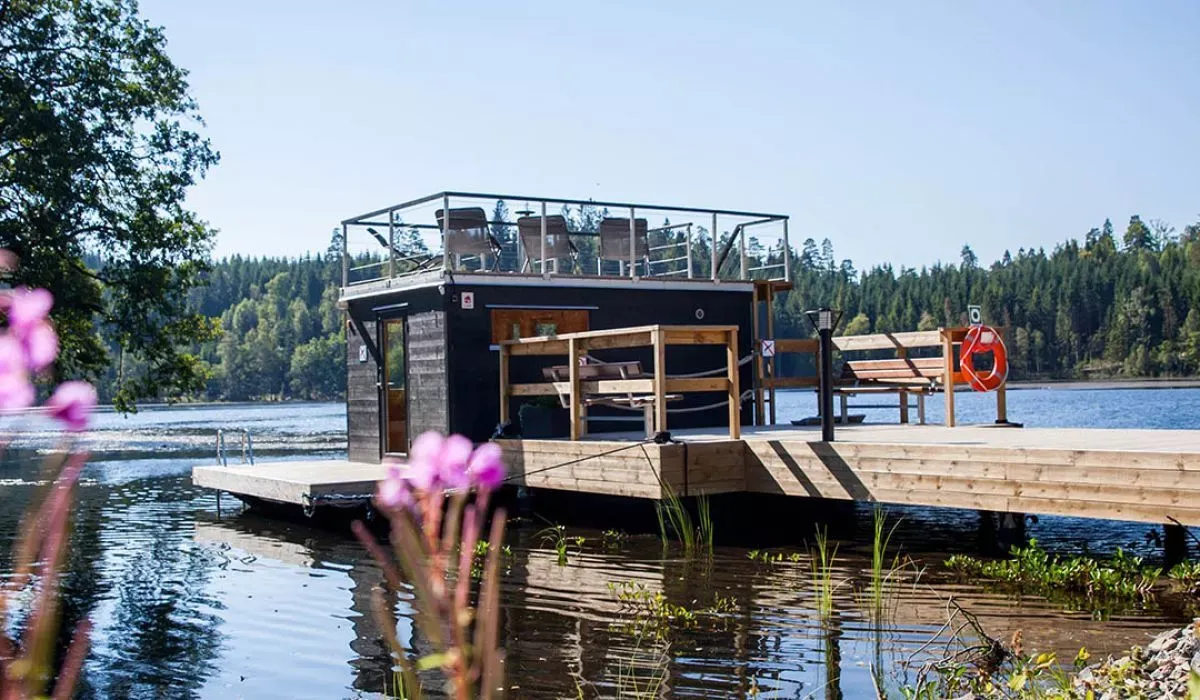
(428, 398)
(362, 398)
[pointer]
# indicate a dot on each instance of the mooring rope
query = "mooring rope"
(746, 396)
(707, 373)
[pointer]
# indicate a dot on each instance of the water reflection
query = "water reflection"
(188, 604)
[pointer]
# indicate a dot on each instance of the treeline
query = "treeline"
(1113, 304)
(282, 333)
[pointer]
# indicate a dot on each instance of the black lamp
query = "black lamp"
(824, 320)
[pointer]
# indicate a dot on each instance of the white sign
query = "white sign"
(768, 348)
(468, 300)
(362, 353)
(975, 315)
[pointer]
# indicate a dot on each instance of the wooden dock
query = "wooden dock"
(1135, 475)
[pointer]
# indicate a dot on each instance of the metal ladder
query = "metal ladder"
(247, 445)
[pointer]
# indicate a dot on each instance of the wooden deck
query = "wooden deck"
(1136, 475)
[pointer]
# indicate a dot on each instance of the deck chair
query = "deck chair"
(614, 244)
(558, 242)
(469, 235)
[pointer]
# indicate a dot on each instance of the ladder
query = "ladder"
(247, 447)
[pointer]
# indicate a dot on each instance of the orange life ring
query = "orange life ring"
(980, 340)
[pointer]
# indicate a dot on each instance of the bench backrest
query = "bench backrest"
(921, 370)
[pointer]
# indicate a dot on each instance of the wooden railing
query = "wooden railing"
(658, 385)
(944, 338)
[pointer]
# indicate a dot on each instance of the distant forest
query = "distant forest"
(1114, 304)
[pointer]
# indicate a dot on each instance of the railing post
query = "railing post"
(391, 244)
(503, 383)
(787, 254)
(445, 231)
(542, 259)
(345, 256)
(633, 246)
(689, 251)
(576, 394)
(660, 381)
(734, 389)
(948, 374)
(741, 234)
(715, 243)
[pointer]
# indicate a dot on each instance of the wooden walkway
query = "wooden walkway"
(1136, 475)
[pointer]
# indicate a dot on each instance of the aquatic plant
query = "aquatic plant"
(675, 522)
(822, 562)
(556, 536)
(651, 611)
(28, 346)
(435, 526)
(1186, 575)
(613, 539)
(886, 572)
(1122, 578)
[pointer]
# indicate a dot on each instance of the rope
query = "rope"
(707, 373)
(746, 396)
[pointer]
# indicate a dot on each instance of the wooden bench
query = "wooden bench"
(610, 370)
(901, 376)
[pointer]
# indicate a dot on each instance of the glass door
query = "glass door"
(395, 369)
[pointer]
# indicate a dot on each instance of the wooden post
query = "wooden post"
(734, 391)
(948, 375)
(759, 413)
(1001, 405)
(660, 381)
(503, 383)
(903, 406)
(573, 375)
(771, 333)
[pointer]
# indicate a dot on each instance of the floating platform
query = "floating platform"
(1135, 475)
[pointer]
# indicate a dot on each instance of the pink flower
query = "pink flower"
(456, 451)
(394, 491)
(28, 307)
(72, 403)
(16, 391)
(486, 468)
(41, 346)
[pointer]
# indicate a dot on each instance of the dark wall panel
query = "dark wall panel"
(362, 397)
(427, 394)
(474, 367)
(428, 397)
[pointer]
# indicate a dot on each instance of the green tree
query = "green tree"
(318, 369)
(97, 150)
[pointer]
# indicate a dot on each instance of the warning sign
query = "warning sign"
(768, 348)
(468, 300)
(975, 315)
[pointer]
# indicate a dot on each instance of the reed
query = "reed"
(822, 561)
(675, 523)
(883, 573)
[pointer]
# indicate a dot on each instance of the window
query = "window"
(513, 324)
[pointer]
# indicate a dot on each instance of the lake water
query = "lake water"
(191, 603)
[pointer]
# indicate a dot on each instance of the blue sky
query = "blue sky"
(898, 130)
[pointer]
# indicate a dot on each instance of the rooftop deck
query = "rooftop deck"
(415, 243)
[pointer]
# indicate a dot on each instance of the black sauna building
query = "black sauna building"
(432, 286)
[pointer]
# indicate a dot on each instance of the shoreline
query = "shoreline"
(1104, 384)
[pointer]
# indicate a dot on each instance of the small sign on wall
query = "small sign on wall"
(975, 315)
(362, 353)
(468, 300)
(768, 348)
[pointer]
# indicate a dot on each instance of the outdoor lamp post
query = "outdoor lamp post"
(824, 320)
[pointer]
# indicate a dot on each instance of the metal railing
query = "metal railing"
(559, 237)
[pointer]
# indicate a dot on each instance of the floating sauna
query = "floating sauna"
(430, 297)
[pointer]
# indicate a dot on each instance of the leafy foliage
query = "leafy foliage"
(98, 145)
